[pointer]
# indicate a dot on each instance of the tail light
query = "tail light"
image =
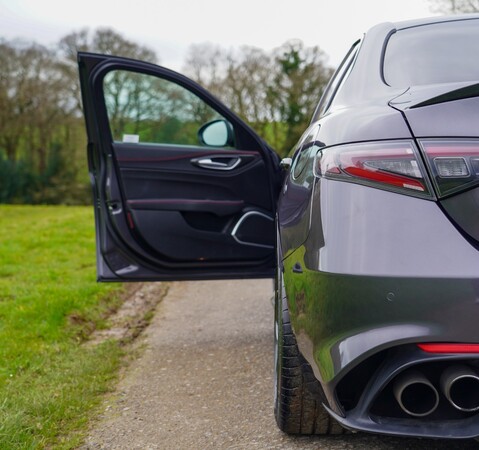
(454, 164)
(393, 165)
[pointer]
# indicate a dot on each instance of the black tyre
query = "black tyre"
(298, 395)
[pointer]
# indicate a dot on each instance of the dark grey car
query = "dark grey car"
(372, 234)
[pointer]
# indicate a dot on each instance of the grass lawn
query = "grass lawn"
(49, 302)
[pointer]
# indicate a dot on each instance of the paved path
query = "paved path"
(205, 380)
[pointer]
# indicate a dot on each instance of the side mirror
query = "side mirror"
(217, 133)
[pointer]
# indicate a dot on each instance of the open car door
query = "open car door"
(183, 189)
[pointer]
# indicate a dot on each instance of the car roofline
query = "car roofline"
(401, 25)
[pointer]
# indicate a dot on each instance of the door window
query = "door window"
(144, 109)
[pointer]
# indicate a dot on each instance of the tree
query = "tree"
(454, 6)
(32, 96)
(298, 84)
(34, 99)
(42, 138)
(276, 91)
(102, 40)
(11, 99)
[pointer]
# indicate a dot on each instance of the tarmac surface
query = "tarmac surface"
(205, 380)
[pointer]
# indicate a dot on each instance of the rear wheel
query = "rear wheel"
(298, 395)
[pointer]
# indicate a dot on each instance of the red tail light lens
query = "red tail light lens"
(449, 348)
(393, 165)
(454, 164)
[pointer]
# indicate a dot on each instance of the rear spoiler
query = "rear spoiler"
(420, 96)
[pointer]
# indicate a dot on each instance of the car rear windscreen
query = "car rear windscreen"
(435, 53)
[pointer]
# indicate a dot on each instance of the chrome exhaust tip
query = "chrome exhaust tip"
(415, 394)
(460, 385)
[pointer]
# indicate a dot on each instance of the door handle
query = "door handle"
(217, 163)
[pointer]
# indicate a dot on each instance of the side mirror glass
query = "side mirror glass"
(218, 133)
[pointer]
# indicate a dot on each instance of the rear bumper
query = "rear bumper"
(362, 418)
(381, 272)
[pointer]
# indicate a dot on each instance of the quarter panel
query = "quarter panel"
(369, 121)
(368, 231)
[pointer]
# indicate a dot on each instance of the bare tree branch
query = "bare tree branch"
(454, 6)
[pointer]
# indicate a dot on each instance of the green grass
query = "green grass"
(49, 301)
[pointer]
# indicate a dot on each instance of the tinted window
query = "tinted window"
(434, 53)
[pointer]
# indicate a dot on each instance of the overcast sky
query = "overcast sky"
(169, 27)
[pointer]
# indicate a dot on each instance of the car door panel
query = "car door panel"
(165, 189)
(172, 211)
(174, 171)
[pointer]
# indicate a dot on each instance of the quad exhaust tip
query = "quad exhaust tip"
(415, 394)
(460, 385)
